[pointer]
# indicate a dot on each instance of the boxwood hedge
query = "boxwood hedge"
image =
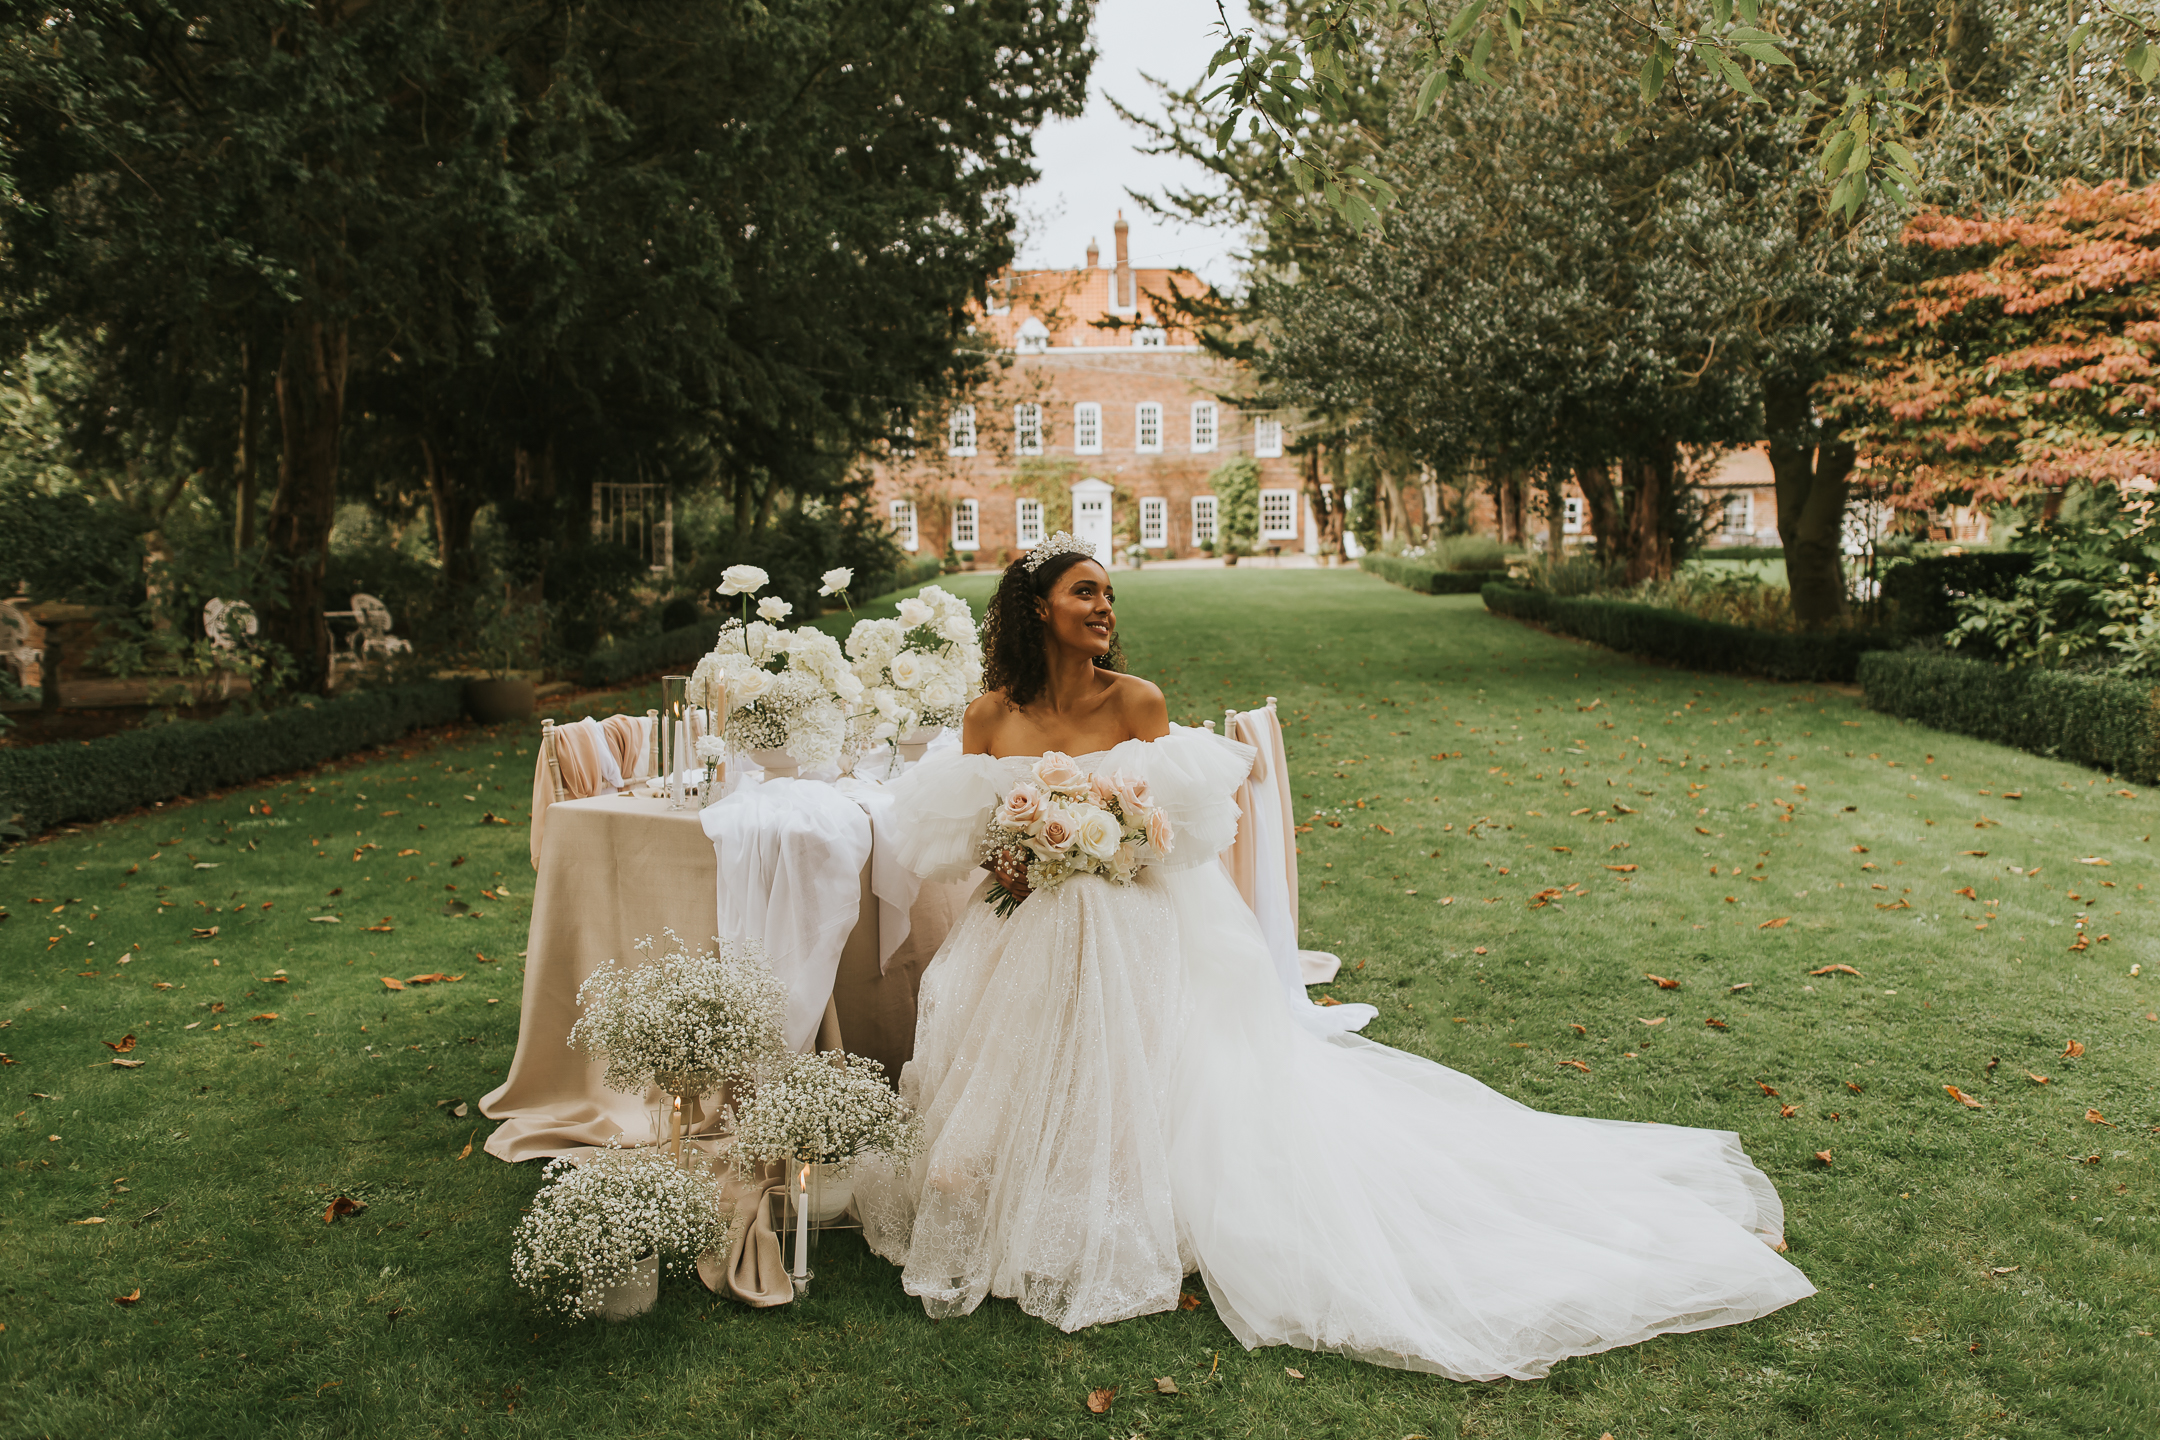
(47, 785)
(2098, 720)
(1686, 639)
(1422, 575)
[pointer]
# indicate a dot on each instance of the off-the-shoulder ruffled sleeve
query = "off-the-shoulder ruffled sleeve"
(1192, 777)
(941, 807)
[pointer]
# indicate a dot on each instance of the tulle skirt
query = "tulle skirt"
(1116, 1096)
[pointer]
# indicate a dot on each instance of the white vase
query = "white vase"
(775, 763)
(832, 1191)
(635, 1295)
(912, 745)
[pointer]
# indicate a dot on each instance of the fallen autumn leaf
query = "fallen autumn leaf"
(1962, 1098)
(1098, 1401)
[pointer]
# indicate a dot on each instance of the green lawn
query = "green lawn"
(1984, 1272)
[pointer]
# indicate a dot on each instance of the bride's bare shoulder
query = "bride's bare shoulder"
(979, 725)
(1146, 713)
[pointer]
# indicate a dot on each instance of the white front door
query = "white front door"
(1091, 517)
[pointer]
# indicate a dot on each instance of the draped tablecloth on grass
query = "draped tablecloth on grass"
(616, 869)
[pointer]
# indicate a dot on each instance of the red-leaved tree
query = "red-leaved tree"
(2030, 359)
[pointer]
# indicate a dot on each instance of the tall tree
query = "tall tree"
(760, 225)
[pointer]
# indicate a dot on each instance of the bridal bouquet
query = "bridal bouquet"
(688, 1023)
(592, 1225)
(920, 669)
(1065, 822)
(786, 690)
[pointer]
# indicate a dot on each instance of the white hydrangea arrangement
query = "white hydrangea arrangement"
(826, 1109)
(922, 668)
(686, 1022)
(592, 1223)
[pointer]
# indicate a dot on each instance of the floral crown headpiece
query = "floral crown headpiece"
(1062, 543)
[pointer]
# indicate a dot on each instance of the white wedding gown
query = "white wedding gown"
(1115, 1096)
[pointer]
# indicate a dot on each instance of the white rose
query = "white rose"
(939, 695)
(885, 730)
(958, 630)
(907, 669)
(848, 688)
(773, 608)
(837, 580)
(743, 580)
(1098, 832)
(745, 688)
(913, 613)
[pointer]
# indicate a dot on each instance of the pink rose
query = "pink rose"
(1132, 792)
(1101, 791)
(1159, 833)
(1023, 805)
(1058, 829)
(1058, 771)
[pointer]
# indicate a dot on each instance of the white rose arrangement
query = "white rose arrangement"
(786, 690)
(921, 668)
(1064, 822)
(592, 1223)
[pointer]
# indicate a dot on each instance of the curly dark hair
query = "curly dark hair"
(1016, 656)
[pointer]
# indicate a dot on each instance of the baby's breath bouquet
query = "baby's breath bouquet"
(593, 1223)
(827, 1109)
(686, 1022)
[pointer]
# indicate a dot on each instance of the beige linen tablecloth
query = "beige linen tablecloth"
(614, 870)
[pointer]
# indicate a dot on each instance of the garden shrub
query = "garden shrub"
(909, 575)
(1922, 593)
(1687, 639)
(1422, 575)
(47, 785)
(1235, 484)
(2106, 721)
(625, 660)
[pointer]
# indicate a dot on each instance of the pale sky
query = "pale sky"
(1088, 164)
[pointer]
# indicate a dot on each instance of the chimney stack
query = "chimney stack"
(1094, 255)
(1123, 296)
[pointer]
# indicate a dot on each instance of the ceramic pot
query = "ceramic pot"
(777, 764)
(635, 1295)
(912, 745)
(492, 702)
(1229, 559)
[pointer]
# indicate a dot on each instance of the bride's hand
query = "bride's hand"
(1011, 872)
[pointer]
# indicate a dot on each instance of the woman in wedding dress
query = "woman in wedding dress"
(1115, 1095)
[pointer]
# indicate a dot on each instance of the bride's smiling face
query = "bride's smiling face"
(1077, 613)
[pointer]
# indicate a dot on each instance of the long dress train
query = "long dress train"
(1115, 1096)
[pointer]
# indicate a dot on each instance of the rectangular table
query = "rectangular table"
(614, 869)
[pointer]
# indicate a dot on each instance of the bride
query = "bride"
(1115, 1095)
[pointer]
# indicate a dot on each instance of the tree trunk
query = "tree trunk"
(1555, 516)
(1601, 507)
(1813, 465)
(246, 460)
(311, 413)
(1649, 481)
(455, 509)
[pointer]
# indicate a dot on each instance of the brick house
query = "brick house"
(1104, 418)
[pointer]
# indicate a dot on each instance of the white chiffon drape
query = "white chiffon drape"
(1115, 1095)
